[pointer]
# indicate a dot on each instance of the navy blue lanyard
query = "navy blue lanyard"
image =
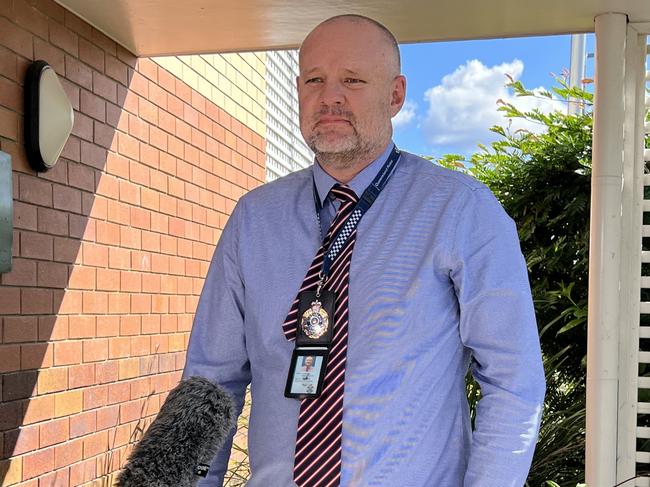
(363, 205)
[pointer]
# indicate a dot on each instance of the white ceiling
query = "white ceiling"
(159, 27)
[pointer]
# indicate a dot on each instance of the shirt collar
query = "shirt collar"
(358, 184)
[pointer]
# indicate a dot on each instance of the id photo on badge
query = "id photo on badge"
(306, 374)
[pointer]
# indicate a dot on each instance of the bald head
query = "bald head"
(387, 41)
(349, 87)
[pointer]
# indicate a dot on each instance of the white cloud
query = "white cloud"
(405, 115)
(463, 107)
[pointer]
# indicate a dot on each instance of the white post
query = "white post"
(577, 69)
(605, 251)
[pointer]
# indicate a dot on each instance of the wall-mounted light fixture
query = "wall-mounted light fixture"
(48, 116)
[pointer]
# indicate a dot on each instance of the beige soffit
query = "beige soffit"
(160, 27)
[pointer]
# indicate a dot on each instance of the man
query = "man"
(436, 284)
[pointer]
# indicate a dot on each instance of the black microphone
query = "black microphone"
(178, 447)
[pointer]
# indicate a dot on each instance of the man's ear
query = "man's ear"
(397, 94)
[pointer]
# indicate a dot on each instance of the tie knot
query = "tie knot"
(344, 193)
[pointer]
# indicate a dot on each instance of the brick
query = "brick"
(10, 95)
(108, 186)
(64, 38)
(108, 326)
(130, 238)
(95, 255)
(82, 277)
(116, 69)
(24, 440)
(140, 345)
(104, 135)
(118, 392)
(105, 87)
(52, 274)
(82, 128)
(131, 411)
(128, 368)
(94, 397)
(78, 72)
(35, 190)
(68, 403)
(23, 273)
(108, 280)
(52, 328)
(158, 138)
(19, 329)
(130, 325)
(53, 432)
(36, 246)
(92, 105)
(81, 227)
(71, 303)
(52, 380)
(95, 444)
(36, 301)
(83, 472)
(11, 470)
(140, 218)
(38, 463)
(108, 417)
(15, 38)
(35, 356)
(81, 176)
(119, 347)
(128, 146)
(95, 350)
(91, 54)
(19, 385)
(24, 216)
(10, 301)
(119, 258)
(39, 409)
(93, 155)
(130, 281)
(82, 326)
(83, 424)
(81, 376)
(68, 453)
(106, 372)
(151, 284)
(95, 302)
(67, 353)
(51, 221)
(139, 129)
(10, 415)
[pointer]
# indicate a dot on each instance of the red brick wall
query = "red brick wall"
(110, 247)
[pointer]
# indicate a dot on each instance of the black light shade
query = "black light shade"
(48, 116)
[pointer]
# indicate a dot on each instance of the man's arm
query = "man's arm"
(217, 349)
(497, 323)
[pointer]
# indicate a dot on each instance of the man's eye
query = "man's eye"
(314, 80)
(353, 81)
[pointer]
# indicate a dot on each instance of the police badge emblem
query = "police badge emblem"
(315, 320)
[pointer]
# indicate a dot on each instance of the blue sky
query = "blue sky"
(452, 88)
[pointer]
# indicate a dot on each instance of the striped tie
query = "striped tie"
(318, 441)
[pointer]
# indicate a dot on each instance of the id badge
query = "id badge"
(306, 373)
(315, 319)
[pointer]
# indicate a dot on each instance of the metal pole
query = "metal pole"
(605, 250)
(577, 70)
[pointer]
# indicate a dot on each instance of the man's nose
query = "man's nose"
(332, 93)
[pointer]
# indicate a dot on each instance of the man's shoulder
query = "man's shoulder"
(431, 176)
(282, 189)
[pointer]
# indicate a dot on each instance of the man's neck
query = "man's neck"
(344, 171)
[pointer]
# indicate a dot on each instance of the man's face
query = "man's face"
(348, 89)
(309, 361)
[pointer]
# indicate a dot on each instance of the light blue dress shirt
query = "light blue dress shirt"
(437, 284)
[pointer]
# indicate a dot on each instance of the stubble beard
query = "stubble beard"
(345, 150)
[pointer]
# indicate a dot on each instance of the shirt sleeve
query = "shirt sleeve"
(498, 326)
(217, 348)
